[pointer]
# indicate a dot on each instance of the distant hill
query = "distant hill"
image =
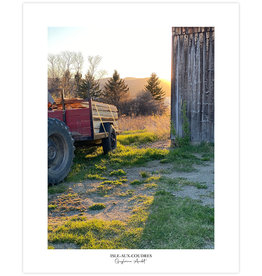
(136, 85)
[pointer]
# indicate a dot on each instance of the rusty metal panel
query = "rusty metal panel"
(192, 81)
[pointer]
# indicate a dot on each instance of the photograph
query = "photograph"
(131, 137)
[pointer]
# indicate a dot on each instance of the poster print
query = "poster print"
(129, 186)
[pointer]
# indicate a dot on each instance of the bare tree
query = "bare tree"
(56, 66)
(53, 75)
(65, 72)
(67, 60)
(94, 62)
(51, 66)
(78, 62)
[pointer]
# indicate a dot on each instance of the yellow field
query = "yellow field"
(157, 124)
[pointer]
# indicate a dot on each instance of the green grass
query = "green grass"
(179, 182)
(52, 206)
(151, 185)
(94, 162)
(95, 176)
(97, 206)
(184, 158)
(171, 184)
(141, 199)
(101, 234)
(144, 174)
(137, 138)
(57, 189)
(107, 186)
(87, 161)
(210, 194)
(127, 156)
(100, 167)
(159, 222)
(151, 179)
(136, 182)
(88, 234)
(133, 131)
(200, 185)
(148, 180)
(67, 202)
(103, 190)
(112, 182)
(119, 172)
(176, 223)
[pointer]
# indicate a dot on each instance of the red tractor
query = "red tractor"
(71, 120)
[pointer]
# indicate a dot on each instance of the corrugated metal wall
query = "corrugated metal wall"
(193, 81)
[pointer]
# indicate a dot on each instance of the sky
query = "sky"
(133, 52)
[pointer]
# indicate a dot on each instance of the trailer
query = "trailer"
(73, 121)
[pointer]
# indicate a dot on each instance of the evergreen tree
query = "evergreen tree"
(153, 86)
(89, 87)
(78, 80)
(114, 90)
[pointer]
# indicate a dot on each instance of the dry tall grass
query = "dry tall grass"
(158, 124)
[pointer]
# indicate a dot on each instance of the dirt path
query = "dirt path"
(119, 204)
(203, 174)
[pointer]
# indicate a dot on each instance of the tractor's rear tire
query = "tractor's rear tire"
(109, 143)
(60, 151)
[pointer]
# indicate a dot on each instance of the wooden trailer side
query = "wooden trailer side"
(103, 113)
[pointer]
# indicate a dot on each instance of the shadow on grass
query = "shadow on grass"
(176, 223)
(159, 222)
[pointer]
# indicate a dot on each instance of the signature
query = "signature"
(136, 261)
(119, 261)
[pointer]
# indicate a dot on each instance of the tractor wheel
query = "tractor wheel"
(60, 151)
(110, 142)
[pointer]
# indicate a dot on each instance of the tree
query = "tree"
(78, 61)
(153, 86)
(53, 76)
(94, 62)
(89, 87)
(54, 87)
(52, 66)
(67, 60)
(66, 84)
(144, 104)
(78, 81)
(114, 90)
(60, 69)
(64, 74)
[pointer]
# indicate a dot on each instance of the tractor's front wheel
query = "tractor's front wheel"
(60, 151)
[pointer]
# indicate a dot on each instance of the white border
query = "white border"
(224, 17)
